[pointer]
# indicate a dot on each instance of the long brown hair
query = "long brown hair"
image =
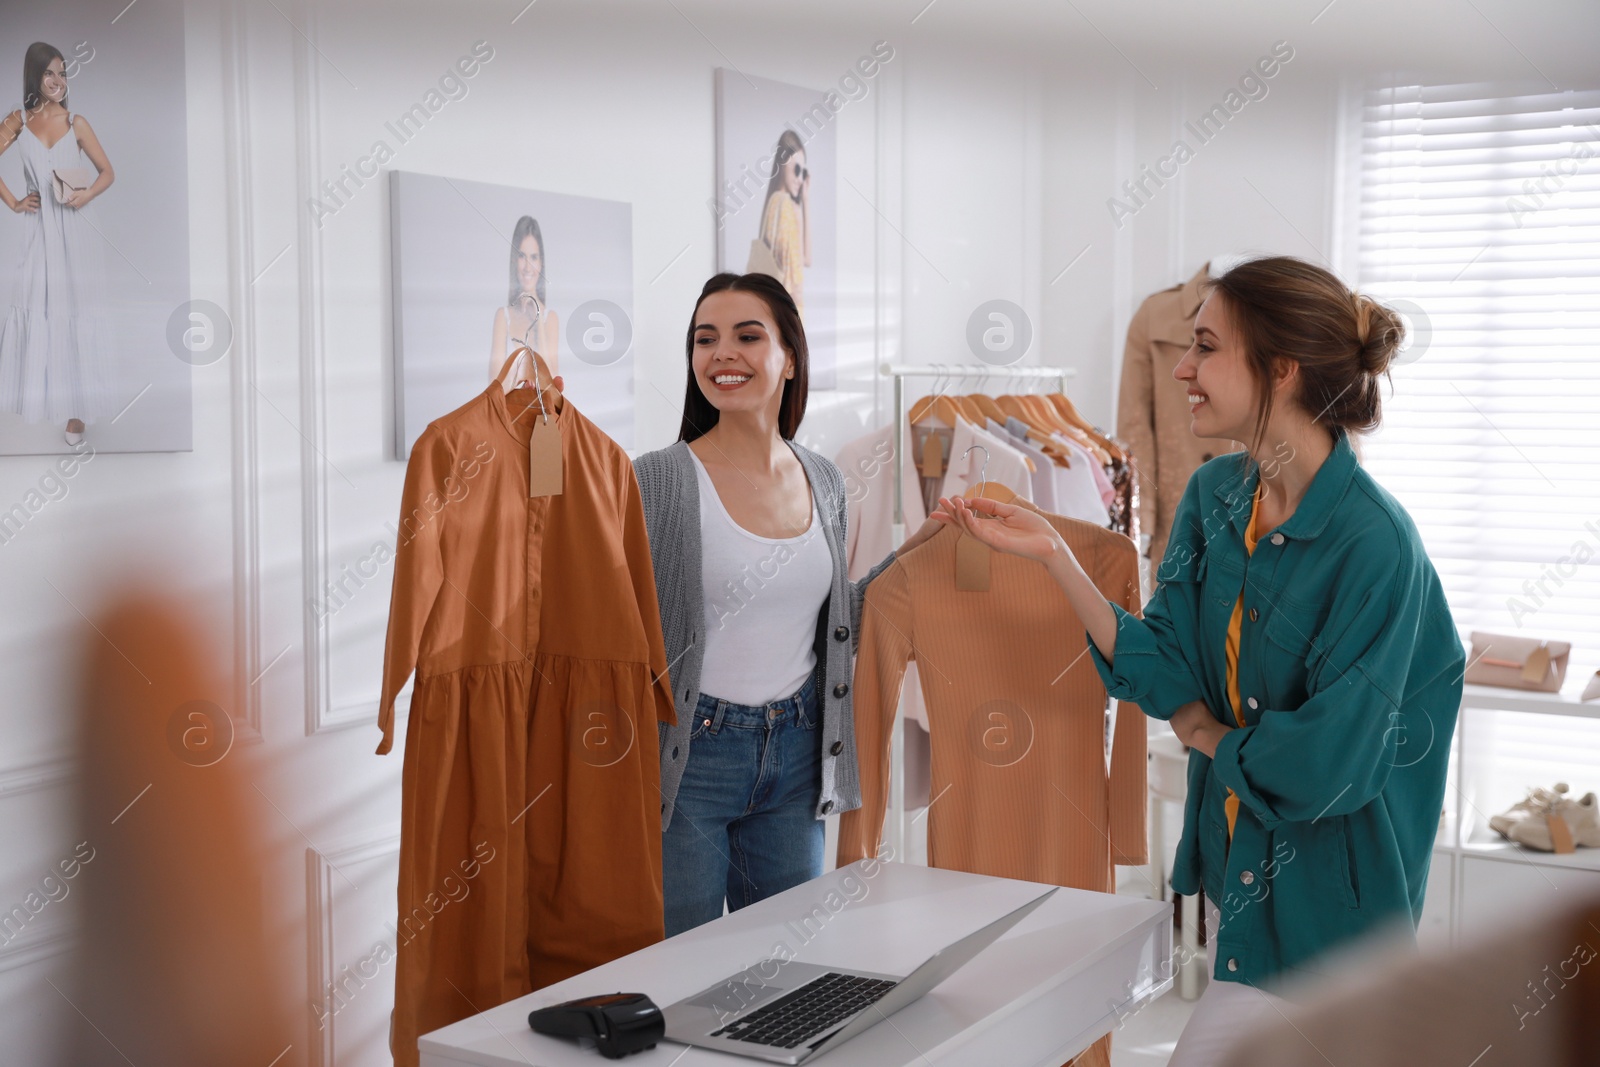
(1284, 308)
(35, 61)
(699, 415)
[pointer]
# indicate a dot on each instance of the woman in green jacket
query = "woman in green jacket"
(1298, 642)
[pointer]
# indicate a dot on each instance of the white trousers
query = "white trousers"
(1224, 1014)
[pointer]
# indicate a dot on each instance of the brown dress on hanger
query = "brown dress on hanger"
(530, 845)
(1016, 714)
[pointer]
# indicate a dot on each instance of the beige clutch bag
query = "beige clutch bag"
(1518, 662)
(64, 181)
(762, 261)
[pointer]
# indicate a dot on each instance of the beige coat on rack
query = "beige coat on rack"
(1153, 410)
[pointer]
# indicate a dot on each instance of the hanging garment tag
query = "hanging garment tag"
(544, 459)
(1560, 833)
(1537, 665)
(932, 457)
(972, 565)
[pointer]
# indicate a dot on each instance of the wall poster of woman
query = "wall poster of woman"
(775, 206)
(786, 219)
(53, 365)
(475, 262)
(99, 339)
(526, 318)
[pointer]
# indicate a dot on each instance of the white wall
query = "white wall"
(981, 164)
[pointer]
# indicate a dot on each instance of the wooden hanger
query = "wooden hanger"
(985, 403)
(1063, 404)
(935, 405)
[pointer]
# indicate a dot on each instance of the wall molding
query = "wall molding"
(55, 938)
(240, 200)
(37, 775)
(321, 715)
(323, 869)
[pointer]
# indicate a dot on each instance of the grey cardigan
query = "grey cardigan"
(670, 490)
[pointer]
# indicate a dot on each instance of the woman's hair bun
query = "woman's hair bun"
(1379, 334)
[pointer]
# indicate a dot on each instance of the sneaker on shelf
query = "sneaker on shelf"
(1583, 824)
(1538, 801)
(74, 432)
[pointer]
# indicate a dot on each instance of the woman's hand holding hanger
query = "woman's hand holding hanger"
(1016, 530)
(1027, 533)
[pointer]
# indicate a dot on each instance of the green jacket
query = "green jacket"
(1350, 673)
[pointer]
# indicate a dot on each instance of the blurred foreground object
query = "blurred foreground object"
(174, 963)
(1528, 996)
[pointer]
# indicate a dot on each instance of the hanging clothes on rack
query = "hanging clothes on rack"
(1007, 464)
(530, 844)
(1075, 491)
(1153, 409)
(1049, 811)
(869, 505)
(1017, 716)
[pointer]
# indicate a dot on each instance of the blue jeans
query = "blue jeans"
(745, 824)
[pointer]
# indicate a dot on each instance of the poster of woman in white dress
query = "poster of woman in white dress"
(527, 318)
(94, 270)
(53, 365)
(476, 264)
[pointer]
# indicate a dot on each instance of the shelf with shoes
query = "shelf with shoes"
(1507, 743)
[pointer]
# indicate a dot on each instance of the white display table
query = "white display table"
(1040, 995)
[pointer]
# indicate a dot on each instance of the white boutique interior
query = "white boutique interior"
(282, 279)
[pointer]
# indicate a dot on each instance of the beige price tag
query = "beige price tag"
(932, 457)
(972, 565)
(544, 458)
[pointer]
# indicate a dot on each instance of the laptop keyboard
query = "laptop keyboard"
(801, 1014)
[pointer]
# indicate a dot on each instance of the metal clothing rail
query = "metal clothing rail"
(953, 372)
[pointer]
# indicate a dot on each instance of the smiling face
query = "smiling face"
(739, 361)
(530, 263)
(53, 83)
(1223, 400)
(792, 169)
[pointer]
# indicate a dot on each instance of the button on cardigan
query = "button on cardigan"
(671, 495)
(1351, 674)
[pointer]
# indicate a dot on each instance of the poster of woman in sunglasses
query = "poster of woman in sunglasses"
(786, 220)
(775, 205)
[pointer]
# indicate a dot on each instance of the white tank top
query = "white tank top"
(762, 595)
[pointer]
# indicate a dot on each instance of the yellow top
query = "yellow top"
(1235, 624)
(780, 229)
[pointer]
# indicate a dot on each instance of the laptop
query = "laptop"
(785, 1011)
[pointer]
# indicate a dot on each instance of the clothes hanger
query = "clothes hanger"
(936, 404)
(515, 380)
(1064, 406)
(511, 379)
(983, 487)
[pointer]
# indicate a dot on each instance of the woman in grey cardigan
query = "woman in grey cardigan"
(747, 536)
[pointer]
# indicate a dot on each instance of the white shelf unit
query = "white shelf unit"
(1478, 877)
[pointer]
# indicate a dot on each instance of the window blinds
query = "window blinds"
(1480, 222)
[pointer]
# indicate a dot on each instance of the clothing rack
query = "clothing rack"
(895, 821)
(964, 371)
